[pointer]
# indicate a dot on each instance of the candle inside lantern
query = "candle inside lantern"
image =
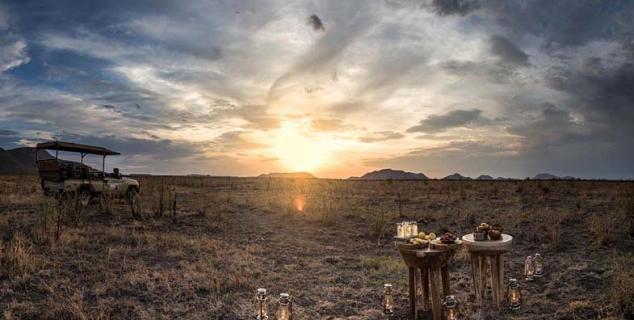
(284, 308)
(408, 229)
(414, 228)
(388, 300)
(451, 308)
(538, 260)
(514, 294)
(261, 300)
(529, 268)
(400, 230)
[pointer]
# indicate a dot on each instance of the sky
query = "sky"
(337, 88)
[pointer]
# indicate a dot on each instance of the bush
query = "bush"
(17, 258)
(622, 285)
(607, 227)
(378, 224)
(552, 220)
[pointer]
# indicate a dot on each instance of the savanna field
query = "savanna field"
(199, 247)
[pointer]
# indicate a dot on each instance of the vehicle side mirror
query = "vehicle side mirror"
(116, 172)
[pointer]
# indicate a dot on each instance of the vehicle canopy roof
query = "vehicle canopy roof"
(75, 147)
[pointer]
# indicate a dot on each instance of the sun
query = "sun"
(298, 148)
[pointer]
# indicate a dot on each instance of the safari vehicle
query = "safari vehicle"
(62, 177)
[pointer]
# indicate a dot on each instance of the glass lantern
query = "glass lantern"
(400, 230)
(514, 294)
(538, 261)
(284, 308)
(388, 300)
(407, 229)
(529, 269)
(261, 305)
(413, 228)
(451, 308)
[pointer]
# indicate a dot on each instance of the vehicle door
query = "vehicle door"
(97, 181)
(116, 185)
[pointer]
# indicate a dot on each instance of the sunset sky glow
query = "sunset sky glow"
(505, 88)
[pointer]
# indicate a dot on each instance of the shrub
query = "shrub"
(106, 201)
(377, 226)
(622, 285)
(629, 212)
(551, 221)
(17, 258)
(45, 226)
(607, 227)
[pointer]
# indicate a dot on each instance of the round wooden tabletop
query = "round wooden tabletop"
(501, 245)
(424, 257)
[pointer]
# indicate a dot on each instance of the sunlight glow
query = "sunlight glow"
(298, 149)
(300, 202)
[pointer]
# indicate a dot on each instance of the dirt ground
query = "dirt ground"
(201, 246)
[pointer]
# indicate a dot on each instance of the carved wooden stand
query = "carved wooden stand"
(430, 266)
(483, 254)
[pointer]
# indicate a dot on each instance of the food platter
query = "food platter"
(409, 246)
(437, 244)
(399, 239)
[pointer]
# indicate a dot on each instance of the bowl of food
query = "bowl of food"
(483, 227)
(448, 238)
(479, 235)
(495, 234)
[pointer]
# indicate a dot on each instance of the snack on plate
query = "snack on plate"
(426, 236)
(448, 238)
(418, 242)
(495, 234)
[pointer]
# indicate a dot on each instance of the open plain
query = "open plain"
(198, 247)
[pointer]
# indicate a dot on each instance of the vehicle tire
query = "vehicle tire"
(84, 197)
(131, 195)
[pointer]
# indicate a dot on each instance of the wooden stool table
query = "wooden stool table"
(432, 265)
(493, 250)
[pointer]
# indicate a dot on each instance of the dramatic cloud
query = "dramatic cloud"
(232, 87)
(507, 51)
(12, 51)
(381, 136)
(451, 119)
(459, 7)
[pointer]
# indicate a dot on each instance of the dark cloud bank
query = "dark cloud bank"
(587, 133)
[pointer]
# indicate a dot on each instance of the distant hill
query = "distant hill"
(484, 177)
(20, 161)
(505, 179)
(545, 176)
(456, 176)
(303, 175)
(389, 174)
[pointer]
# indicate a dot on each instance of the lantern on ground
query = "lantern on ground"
(538, 260)
(450, 305)
(514, 294)
(261, 307)
(284, 308)
(388, 300)
(529, 268)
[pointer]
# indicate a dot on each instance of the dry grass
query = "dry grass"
(199, 247)
(622, 284)
(17, 258)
